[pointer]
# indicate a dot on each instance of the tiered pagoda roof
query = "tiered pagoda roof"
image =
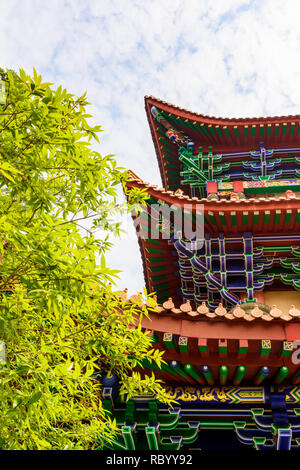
(225, 178)
(274, 223)
(228, 303)
(225, 135)
(251, 241)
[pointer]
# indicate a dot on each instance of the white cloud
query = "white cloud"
(223, 58)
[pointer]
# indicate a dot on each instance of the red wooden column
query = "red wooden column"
(211, 187)
(238, 186)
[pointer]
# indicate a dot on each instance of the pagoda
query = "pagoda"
(228, 302)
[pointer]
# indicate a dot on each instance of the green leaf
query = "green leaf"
(59, 319)
(34, 398)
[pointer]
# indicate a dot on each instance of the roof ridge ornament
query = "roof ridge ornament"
(220, 310)
(275, 312)
(256, 312)
(169, 304)
(203, 309)
(186, 307)
(238, 312)
(294, 312)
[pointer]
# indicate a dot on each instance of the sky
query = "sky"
(229, 58)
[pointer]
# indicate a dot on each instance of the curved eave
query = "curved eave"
(223, 134)
(182, 112)
(171, 197)
(163, 284)
(179, 313)
(183, 325)
(219, 216)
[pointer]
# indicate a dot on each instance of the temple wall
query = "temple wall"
(283, 299)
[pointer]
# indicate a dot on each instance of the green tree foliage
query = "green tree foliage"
(59, 320)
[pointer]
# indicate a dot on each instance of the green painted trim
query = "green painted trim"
(172, 172)
(168, 340)
(164, 140)
(212, 131)
(223, 371)
(152, 199)
(282, 374)
(266, 218)
(128, 438)
(207, 374)
(227, 133)
(179, 119)
(187, 123)
(242, 349)
(198, 127)
(190, 369)
(169, 158)
(260, 377)
(166, 149)
(178, 369)
(205, 129)
(212, 219)
(203, 348)
(152, 438)
(183, 344)
(270, 249)
(161, 285)
(261, 130)
(170, 165)
(167, 368)
(154, 337)
(158, 278)
(239, 374)
(288, 216)
(163, 297)
(218, 129)
(222, 349)
(154, 269)
(284, 126)
(194, 125)
(265, 348)
(277, 218)
(222, 218)
(287, 348)
(172, 178)
(161, 131)
(157, 260)
(154, 250)
(162, 292)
